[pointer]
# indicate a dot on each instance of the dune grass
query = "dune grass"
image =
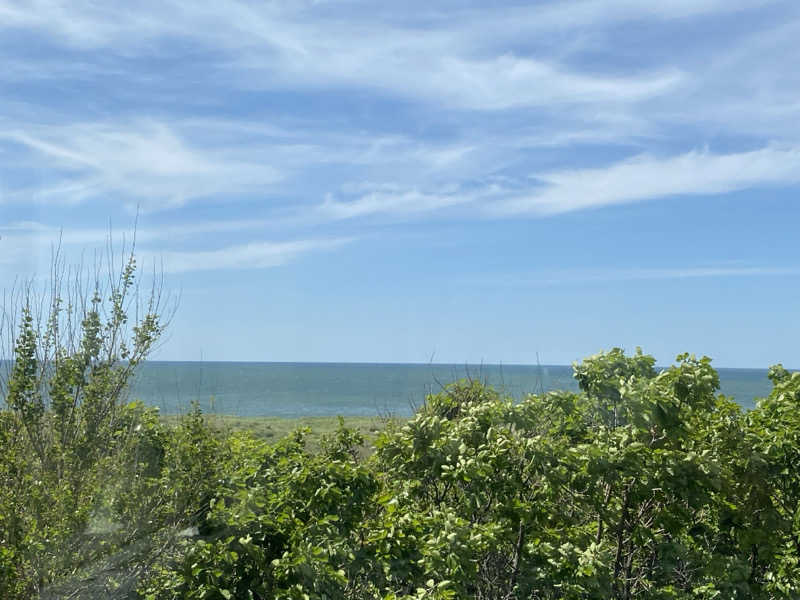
(273, 429)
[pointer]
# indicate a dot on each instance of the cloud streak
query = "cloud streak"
(146, 162)
(444, 63)
(431, 112)
(393, 200)
(580, 277)
(22, 242)
(255, 255)
(27, 233)
(646, 178)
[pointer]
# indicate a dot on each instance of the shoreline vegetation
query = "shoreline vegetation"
(273, 429)
(640, 484)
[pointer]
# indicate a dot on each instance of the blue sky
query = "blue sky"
(416, 181)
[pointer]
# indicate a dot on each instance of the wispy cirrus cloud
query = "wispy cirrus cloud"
(145, 163)
(393, 200)
(490, 83)
(254, 255)
(27, 233)
(22, 242)
(87, 22)
(637, 179)
(481, 94)
(445, 62)
(158, 165)
(647, 177)
(580, 277)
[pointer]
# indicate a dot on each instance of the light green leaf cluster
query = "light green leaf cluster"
(644, 484)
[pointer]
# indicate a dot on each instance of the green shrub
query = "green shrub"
(643, 485)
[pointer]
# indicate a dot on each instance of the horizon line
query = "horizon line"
(421, 364)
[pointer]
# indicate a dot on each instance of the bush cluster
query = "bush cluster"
(644, 484)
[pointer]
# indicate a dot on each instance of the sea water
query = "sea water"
(326, 389)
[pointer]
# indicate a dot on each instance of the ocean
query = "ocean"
(327, 389)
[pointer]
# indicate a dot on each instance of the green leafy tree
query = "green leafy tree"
(773, 496)
(73, 348)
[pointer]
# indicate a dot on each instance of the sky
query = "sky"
(419, 181)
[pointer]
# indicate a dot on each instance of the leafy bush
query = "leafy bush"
(73, 351)
(644, 484)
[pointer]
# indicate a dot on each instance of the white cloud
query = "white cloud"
(467, 66)
(510, 81)
(236, 23)
(155, 165)
(579, 277)
(392, 199)
(255, 255)
(437, 67)
(35, 233)
(460, 57)
(143, 163)
(747, 85)
(268, 46)
(83, 24)
(640, 178)
(26, 246)
(647, 177)
(594, 12)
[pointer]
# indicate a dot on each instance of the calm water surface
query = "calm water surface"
(324, 389)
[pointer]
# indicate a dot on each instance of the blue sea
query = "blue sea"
(325, 389)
